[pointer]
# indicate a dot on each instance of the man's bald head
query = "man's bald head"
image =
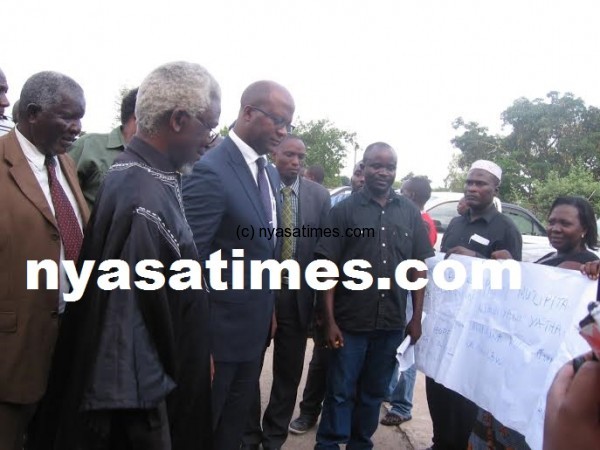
(265, 117)
(260, 92)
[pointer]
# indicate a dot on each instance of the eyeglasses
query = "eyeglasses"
(212, 135)
(279, 122)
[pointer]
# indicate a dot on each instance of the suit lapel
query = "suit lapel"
(243, 173)
(275, 183)
(25, 179)
(71, 176)
(303, 201)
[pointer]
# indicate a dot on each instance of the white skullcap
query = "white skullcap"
(488, 166)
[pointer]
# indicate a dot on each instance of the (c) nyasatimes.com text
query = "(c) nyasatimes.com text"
(304, 231)
(320, 274)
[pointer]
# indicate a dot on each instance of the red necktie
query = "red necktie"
(68, 226)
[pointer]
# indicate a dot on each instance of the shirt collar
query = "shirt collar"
(150, 155)
(295, 186)
(366, 195)
(116, 139)
(249, 154)
(489, 213)
(30, 151)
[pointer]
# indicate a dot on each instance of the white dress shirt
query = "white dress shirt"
(250, 156)
(36, 160)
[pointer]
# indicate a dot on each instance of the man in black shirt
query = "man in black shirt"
(480, 232)
(364, 327)
(314, 390)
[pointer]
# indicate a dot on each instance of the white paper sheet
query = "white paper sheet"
(502, 348)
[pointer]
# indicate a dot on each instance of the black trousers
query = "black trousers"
(316, 382)
(128, 429)
(453, 416)
(233, 392)
(288, 361)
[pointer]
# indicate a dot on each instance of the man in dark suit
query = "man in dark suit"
(43, 212)
(304, 208)
(229, 197)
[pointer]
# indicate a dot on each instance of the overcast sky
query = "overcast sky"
(394, 71)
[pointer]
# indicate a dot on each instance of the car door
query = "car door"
(535, 239)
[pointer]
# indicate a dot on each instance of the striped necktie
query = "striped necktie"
(287, 222)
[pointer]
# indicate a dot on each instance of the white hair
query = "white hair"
(184, 85)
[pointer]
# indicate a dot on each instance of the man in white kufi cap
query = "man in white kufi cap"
(488, 166)
(481, 232)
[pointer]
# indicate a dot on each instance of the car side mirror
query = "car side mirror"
(438, 226)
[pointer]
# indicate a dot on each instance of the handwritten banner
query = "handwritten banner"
(502, 348)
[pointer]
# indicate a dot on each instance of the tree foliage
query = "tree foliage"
(578, 181)
(224, 131)
(326, 146)
(551, 140)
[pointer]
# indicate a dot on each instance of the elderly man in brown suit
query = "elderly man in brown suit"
(42, 216)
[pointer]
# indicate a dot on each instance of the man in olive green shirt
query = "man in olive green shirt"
(94, 153)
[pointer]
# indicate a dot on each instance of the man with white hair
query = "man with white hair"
(134, 363)
(480, 233)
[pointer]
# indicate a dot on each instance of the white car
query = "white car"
(442, 209)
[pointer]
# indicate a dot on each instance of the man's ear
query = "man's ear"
(32, 111)
(247, 113)
(178, 119)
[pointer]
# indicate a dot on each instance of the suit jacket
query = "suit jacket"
(224, 210)
(28, 231)
(313, 207)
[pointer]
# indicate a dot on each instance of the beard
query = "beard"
(187, 168)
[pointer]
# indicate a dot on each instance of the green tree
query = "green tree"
(326, 146)
(578, 181)
(475, 143)
(224, 131)
(553, 135)
(455, 181)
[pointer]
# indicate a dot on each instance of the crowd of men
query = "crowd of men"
(161, 367)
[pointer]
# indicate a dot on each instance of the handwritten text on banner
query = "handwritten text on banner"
(502, 348)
